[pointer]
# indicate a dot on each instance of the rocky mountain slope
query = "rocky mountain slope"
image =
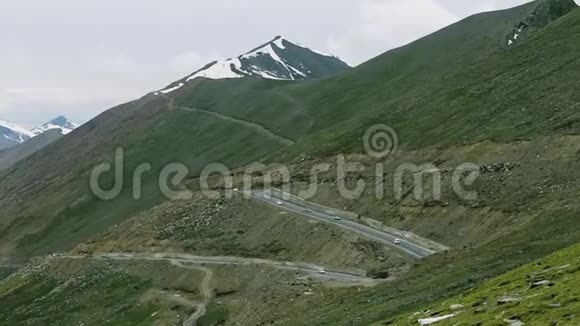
(537, 294)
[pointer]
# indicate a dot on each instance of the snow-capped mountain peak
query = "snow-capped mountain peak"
(277, 59)
(65, 125)
(11, 134)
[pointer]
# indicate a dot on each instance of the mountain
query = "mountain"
(17, 143)
(11, 134)
(458, 95)
(14, 154)
(278, 59)
(418, 89)
(65, 125)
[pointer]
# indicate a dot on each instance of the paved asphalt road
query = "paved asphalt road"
(406, 246)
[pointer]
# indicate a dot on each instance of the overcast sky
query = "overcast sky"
(80, 57)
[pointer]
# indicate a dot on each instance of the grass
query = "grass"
(458, 87)
(415, 88)
(215, 315)
(93, 299)
(447, 275)
(64, 218)
(520, 93)
(556, 301)
(241, 228)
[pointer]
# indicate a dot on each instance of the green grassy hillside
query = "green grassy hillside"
(11, 156)
(46, 196)
(541, 293)
(459, 94)
(60, 209)
(514, 94)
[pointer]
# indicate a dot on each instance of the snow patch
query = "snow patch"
(269, 50)
(296, 71)
(431, 321)
(280, 43)
(50, 126)
(322, 53)
(264, 73)
(16, 129)
(61, 123)
(171, 89)
(220, 70)
(313, 50)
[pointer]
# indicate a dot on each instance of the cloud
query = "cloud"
(4, 103)
(118, 63)
(378, 26)
(459, 8)
(31, 106)
(187, 61)
(402, 21)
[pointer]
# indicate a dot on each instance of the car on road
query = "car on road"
(397, 241)
(279, 203)
(322, 271)
(336, 218)
(308, 210)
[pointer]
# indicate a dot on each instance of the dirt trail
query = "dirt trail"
(206, 291)
(353, 278)
(254, 126)
(248, 124)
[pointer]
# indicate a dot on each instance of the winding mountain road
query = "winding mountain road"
(187, 261)
(406, 246)
(198, 262)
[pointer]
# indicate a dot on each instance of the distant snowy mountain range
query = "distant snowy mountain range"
(11, 134)
(62, 123)
(278, 59)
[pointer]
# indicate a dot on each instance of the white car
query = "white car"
(279, 203)
(336, 218)
(322, 271)
(397, 241)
